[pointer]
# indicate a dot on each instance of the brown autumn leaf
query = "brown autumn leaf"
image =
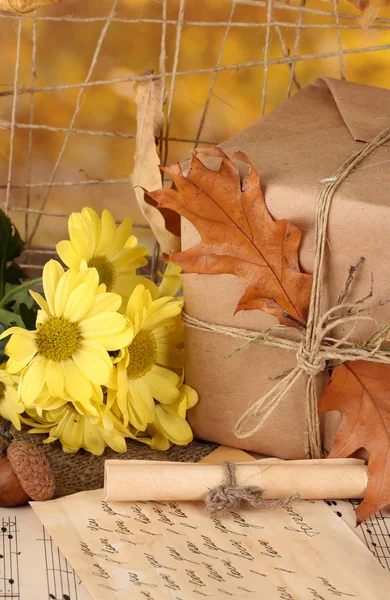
(369, 10)
(361, 392)
(24, 6)
(146, 175)
(239, 236)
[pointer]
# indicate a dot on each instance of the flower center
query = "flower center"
(105, 269)
(142, 355)
(2, 390)
(58, 339)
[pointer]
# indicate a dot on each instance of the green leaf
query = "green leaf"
(11, 246)
(21, 296)
(14, 274)
(29, 315)
(10, 319)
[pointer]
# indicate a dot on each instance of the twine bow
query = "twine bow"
(315, 348)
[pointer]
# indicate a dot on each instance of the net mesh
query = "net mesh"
(67, 129)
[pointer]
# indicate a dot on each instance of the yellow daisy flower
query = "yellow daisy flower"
(76, 327)
(143, 371)
(75, 430)
(170, 425)
(11, 406)
(112, 251)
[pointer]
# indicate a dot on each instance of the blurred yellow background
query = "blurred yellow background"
(64, 51)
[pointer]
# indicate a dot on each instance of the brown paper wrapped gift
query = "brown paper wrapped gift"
(295, 148)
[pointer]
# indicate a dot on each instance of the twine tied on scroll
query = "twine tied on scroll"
(314, 350)
(229, 495)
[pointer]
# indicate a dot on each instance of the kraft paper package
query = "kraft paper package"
(295, 148)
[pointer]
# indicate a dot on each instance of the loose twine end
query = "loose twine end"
(229, 495)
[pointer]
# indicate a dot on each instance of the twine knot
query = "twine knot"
(228, 495)
(311, 363)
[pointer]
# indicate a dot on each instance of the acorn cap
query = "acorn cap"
(32, 469)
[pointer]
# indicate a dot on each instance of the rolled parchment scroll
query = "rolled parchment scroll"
(132, 480)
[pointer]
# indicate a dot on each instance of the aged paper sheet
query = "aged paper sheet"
(176, 551)
(31, 565)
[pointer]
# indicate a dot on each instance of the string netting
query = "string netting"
(67, 116)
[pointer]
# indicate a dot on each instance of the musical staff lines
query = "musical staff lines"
(62, 582)
(31, 565)
(376, 531)
(9, 559)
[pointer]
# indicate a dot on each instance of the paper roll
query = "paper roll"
(135, 480)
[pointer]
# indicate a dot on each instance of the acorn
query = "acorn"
(25, 475)
(11, 492)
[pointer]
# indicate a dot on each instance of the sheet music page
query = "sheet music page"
(374, 532)
(31, 566)
(159, 551)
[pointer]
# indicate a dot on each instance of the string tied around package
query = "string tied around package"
(315, 349)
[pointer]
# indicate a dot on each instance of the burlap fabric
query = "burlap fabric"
(45, 471)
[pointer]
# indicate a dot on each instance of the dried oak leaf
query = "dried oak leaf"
(165, 224)
(361, 392)
(239, 236)
(24, 6)
(369, 10)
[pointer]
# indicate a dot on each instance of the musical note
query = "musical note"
(30, 560)
(9, 559)
(374, 532)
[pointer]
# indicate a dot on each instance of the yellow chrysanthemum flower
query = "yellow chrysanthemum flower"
(76, 327)
(170, 425)
(98, 242)
(11, 406)
(144, 372)
(76, 431)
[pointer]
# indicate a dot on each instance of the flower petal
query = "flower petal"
(140, 409)
(93, 439)
(159, 440)
(106, 302)
(162, 310)
(107, 236)
(68, 254)
(130, 259)
(169, 356)
(122, 235)
(176, 429)
(80, 302)
(163, 384)
(94, 362)
(33, 380)
(11, 407)
(172, 280)
(54, 378)
(106, 323)
(139, 303)
(142, 390)
(81, 235)
(65, 287)
(22, 345)
(40, 301)
(52, 273)
(77, 385)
